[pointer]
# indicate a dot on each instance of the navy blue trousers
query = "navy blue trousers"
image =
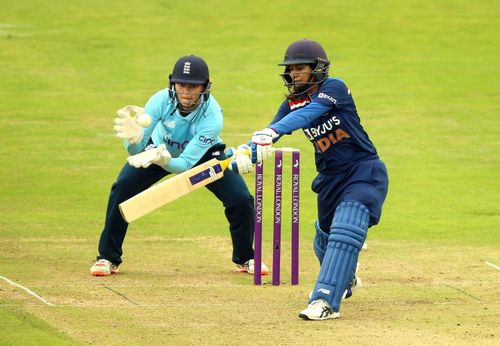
(365, 182)
(231, 190)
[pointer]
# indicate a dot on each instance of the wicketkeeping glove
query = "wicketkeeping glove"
(158, 156)
(127, 127)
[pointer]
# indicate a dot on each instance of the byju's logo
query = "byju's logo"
(187, 68)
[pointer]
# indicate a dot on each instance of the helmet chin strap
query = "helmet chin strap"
(306, 91)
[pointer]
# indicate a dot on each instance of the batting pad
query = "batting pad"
(320, 242)
(347, 235)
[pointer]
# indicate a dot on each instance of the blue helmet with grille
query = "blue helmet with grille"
(308, 52)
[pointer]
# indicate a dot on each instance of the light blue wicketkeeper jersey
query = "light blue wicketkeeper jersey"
(186, 138)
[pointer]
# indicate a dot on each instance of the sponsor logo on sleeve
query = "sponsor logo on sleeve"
(327, 97)
(206, 140)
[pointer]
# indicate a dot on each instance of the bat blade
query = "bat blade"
(172, 189)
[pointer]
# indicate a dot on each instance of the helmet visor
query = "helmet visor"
(298, 62)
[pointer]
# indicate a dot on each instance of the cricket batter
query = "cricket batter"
(352, 181)
(184, 131)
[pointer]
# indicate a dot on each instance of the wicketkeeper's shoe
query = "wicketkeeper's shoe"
(319, 310)
(103, 267)
(249, 266)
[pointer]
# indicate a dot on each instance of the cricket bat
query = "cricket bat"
(173, 188)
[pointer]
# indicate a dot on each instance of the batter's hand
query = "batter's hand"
(158, 156)
(241, 164)
(261, 152)
(262, 144)
(242, 149)
(127, 127)
(264, 137)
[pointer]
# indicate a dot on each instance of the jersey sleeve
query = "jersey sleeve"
(332, 94)
(300, 118)
(283, 110)
(206, 135)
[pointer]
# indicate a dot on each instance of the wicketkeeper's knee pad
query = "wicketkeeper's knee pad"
(320, 242)
(347, 235)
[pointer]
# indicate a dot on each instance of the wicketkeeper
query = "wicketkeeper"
(185, 127)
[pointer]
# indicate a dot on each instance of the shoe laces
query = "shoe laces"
(319, 302)
(325, 306)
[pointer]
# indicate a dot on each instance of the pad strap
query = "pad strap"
(320, 242)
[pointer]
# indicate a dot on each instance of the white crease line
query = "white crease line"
(27, 290)
(10, 26)
(492, 265)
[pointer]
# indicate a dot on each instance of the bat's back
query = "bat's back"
(173, 188)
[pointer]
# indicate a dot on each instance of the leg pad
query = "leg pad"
(347, 235)
(320, 242)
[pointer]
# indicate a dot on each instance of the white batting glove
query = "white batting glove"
(264, 137)
(127, 127)
(242, 149)
(261, 152)
(262, 142)
(158, 156)
(241, 164)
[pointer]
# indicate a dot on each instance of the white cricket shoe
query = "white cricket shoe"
(249, 266)
(103, 267)
(319, 310)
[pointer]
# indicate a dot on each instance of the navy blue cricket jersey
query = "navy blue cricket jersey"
(331, 123)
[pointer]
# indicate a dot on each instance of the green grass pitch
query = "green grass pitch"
(425, 77)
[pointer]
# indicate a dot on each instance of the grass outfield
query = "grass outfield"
(425, 77)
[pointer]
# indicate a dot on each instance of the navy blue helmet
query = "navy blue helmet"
(190, 69)
(305, 52)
